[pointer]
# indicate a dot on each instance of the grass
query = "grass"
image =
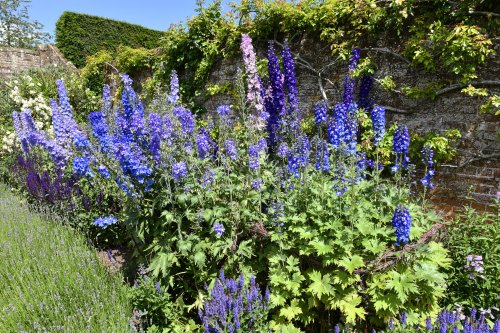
(51, 280)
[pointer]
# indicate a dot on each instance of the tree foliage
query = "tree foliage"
(17, 29)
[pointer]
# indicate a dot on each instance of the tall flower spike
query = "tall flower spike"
(290, 83)
(174, 89)
(348, 96)
(364, 100)
(401, 222)
(320, 112)
(400, 146)
(155, 135)
(101, 131)
(106, 99)
(427, 159)
(378, 121)
(253, 83)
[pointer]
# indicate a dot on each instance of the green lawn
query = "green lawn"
(50, 280)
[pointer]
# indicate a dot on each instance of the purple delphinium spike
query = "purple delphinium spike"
(322, 157)
(428, 324)
(348, 96)
(231, 150)
(320, 110)
(283, 150)
(106, 99)
(66, 109)
(155, 125)
(290, 83)
(257, 184)
(378, 122)
(364, 100)
(253, 162)
(401, 222)
(203, 144)
(179, 171)
(186, 120)
(101, 131)
(401, 144)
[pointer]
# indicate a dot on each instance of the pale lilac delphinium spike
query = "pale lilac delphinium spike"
(253, 91)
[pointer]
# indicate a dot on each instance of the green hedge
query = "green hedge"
(81, 35)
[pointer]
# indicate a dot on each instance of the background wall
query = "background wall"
(474, 174)
(13, 60)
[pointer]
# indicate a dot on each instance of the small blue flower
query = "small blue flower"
(179, 171)
(103, 171)
(81, 166)
(218, 229)
(103, 222)
(257, 184)
(231, 151)
(283, 150)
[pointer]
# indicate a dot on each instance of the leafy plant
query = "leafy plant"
(474, 234)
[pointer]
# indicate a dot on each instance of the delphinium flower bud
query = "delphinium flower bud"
(320, 112)
(427, 158)
(378, 121)
(401, 222)
(106, 221)
(401, 144)
(253, 162)
(173, 97)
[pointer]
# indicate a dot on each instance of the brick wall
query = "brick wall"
(14, 60)
(472, 178)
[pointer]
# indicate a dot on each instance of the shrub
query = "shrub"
(474, 277)
(79, 36)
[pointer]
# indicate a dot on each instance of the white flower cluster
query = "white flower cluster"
(40, 110)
